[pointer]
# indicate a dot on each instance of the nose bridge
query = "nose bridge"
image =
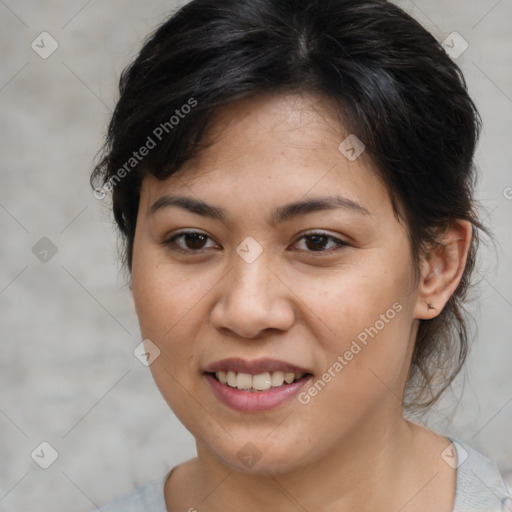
(252, 281)
(251, 278)
(253, 298)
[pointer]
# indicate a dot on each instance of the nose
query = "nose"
(253, 298)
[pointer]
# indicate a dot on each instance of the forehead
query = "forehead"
(265, 148)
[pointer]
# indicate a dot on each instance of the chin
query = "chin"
(259, 456)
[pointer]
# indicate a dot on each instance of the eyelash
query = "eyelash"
(171, 242)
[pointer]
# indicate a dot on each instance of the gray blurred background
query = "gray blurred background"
(68, 375)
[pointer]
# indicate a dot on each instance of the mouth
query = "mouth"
(255, 385)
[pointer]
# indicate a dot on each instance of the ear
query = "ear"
(442, 266)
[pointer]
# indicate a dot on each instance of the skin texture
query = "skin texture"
(349, 448)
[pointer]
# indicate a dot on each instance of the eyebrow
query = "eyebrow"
(280, 214)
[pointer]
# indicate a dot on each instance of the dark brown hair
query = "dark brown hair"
(398, 90)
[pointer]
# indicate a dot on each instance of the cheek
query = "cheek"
(366, 313)
(348, 301)
(170, 305)
(164, 310)
(161, 291)
(164, 305)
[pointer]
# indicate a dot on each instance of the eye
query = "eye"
(194, 241)
(191, 241)
(318, 242)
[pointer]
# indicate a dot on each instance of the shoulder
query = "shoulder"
(145, 498)
(480, 486)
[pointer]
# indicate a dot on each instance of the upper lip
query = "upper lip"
(254, 367)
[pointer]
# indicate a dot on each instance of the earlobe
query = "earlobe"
(442, 268)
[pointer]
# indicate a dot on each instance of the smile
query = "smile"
(260, 382)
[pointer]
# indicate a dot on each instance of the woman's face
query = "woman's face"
(322, 291)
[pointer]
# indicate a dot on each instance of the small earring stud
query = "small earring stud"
(431, 306)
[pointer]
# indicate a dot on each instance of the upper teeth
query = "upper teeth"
(259, 382)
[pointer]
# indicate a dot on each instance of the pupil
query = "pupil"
(318, 241)
(196, 242)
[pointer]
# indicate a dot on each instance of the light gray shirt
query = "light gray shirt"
(479, 486)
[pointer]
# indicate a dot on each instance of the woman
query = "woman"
(293, 182)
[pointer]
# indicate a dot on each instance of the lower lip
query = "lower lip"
(249, 401)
